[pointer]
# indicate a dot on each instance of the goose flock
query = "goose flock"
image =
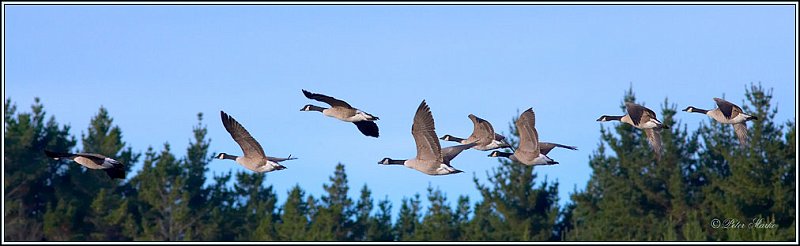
(431, 158)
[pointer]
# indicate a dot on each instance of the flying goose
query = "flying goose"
(643, 118)
(483, 129)
(341, 110)
(114, 168)
(544, 148)
(254, 157)
(728, 113)
(483, 134)
(431, 159)
(528, 152)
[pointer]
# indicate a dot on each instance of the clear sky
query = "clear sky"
(155, 67)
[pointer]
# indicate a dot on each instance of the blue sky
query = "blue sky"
(155, 67)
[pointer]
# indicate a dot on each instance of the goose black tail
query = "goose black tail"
(368, 128)
(117, 172)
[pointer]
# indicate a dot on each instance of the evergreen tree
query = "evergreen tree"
(438, 224)
(224, 218)
(381, 224)
(565, 221)
(461, 217)
(363, 222)
(170, 209)
(702, 176)
(258, 211)
(30, 176)
(294, 219)
(408, 220)
(480, 227)
(526, 212)
(159, 191)
(109, 217)
(106, 139)
(753, 182)
(333, 219)
(96, 193)
(194, 166)
(313, 212)
(633, 195)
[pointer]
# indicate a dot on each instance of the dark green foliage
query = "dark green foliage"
(333, 215)
(480, 227)
(439, 222)
(171, 201)
(224, 213)
(409, 219)
(461, 217)
(362, 222)
(757, 182)
(513, 206)
(380, 226)
(294, 219)
(108, 210)
(258, 211)
(704, 174)
(30, 177)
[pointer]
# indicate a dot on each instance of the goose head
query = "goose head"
(310, 107)
(307, 107)
(223, 156)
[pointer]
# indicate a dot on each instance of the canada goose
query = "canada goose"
(254, 157)
(728, 113)
(544, 148)
(643, 118)
(483, 134)
(341, 110)
(431, 159)
(113, 168)
(528, 152)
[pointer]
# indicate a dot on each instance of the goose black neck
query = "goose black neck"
(614, 117)
(697, 110)
(229, 157)
(397, 162)
(504, 154)
(455, 139)
(315, 108)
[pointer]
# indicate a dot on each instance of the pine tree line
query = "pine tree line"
(702, 176)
